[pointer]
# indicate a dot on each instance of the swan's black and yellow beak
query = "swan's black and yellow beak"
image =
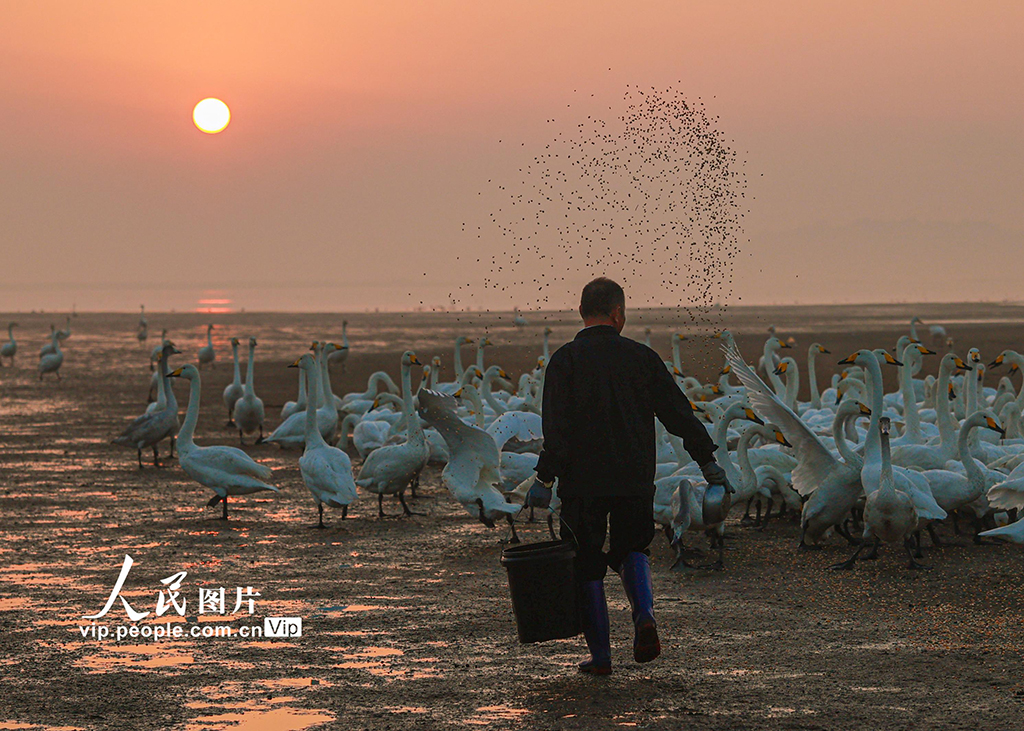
(924, 351)
(725, 371)
(848, 360)
(749, 413)
(781, 368)
(960, 364)
(864, 409)
(952, 393)
(890, 360)
(414, 360)
(781, 439)
(998, 361)
(784, 345)
(994, 426)
(295, 364)
(457, 393)
(176, 373)
(823, 350)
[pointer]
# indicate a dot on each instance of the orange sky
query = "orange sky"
(362, 132)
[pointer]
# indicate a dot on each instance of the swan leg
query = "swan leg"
(512, 524)
(140, 458)
(718, 540)
(842, 530)
(156, 457)
(680, 563)
(873, 553)
(848, 563)
(241, 438)
(380, 506)
(320, 510)
(767, 515)
(259, 440)
(918, 553)
(224, 515)
(908, 544)
(405, 508)
(746, 519)
(344, 512)
(174, 440)
(806, 546)
(414, 484)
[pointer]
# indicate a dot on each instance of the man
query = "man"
(601, 394)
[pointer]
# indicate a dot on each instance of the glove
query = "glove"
(715, 475)
(539, 495)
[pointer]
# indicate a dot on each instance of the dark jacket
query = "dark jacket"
(601, 394)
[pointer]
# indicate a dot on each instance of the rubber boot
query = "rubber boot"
(636, 578)
(594, 616)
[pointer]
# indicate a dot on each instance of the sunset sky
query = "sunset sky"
(883, 142)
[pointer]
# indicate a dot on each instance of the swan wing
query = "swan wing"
(1007, 495)
(234, 461)
(814, 461)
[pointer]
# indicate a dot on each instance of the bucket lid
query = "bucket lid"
(535, 551)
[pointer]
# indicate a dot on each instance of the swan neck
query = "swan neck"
(812, 377)
(234, 354)
(313, 436)
(249, 370)
(188, 429)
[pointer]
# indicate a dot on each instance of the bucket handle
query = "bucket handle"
(561, 524)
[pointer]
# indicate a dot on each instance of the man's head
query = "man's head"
(603, 303)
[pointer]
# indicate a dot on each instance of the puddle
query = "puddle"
(278, 719)
(486, 715)
(135, 657)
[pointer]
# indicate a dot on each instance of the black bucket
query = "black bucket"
(542, 581)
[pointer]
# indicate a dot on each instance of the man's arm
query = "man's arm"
(557, 401)
(673, 409)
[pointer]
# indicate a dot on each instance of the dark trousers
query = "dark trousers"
(628, 523)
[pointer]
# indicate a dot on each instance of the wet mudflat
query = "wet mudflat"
(406, 621)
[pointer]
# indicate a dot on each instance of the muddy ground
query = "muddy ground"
(406, 621)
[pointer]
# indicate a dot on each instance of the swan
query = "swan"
(158, 424)
(546, 351)
(291, 433)
(787, 367)
(472, 474)
(50, 347)
(770, 360)
(953, 490)
(143, 332)
(10, 348)
(361, 402)
(935, 456)
(293, 407)
(482, 343)
(249, 408)
(233, 391)
(677, 360)
(227, 470)
(64, 334)
(207, 355)
(374, 428)
(834, 486)
(154, 354)
(813, 351)
(517, 319)
(326, 470)
(51, 362)
(390, 469)
(341, 354)
(889, 513)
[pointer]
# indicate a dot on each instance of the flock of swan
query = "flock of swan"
(855, 461)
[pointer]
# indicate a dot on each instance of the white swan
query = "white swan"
(207, 355)
(326, 470)
(143, 331)
(299, 404)
(291, 433)
(390, 469)
(341, 354)
(472, 474)
(833, 486)
(50, 347)
(51, 362)
(248, 409)
(935, 456)
(953, 490)
(517, 319)
(227, 470)
(889, 513)
(10, 348)
(159, 423)
(154, 354)
(233, 391)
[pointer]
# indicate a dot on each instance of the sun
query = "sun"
(211, 115)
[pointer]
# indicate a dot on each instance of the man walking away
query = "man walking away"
(601, 395)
